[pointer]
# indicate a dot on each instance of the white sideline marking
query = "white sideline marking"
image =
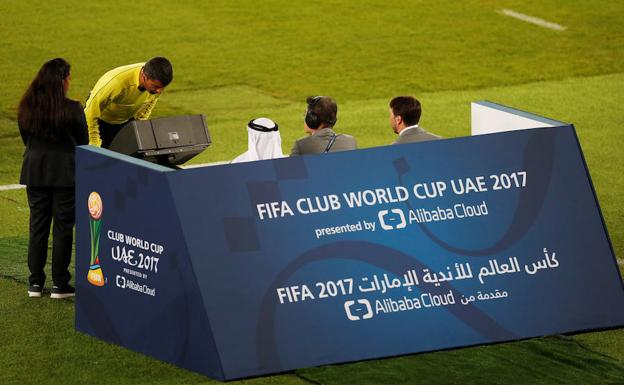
(20, 186)
(12, 187)
(532, 20)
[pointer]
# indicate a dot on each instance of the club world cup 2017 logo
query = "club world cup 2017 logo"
(95, 275)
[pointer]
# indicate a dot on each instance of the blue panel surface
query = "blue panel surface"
(356, 255)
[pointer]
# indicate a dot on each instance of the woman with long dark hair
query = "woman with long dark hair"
(51, 126)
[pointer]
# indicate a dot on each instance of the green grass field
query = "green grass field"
(234, 61)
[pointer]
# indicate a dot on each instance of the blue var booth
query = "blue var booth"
(246, 269)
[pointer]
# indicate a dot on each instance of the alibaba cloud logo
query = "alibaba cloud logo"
(353, 309)
(392, 220)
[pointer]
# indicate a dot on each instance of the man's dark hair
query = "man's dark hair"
(407, 107)
(325, 108)
(159, 68)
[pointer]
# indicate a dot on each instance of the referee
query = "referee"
(122, 94)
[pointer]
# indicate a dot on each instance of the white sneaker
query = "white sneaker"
(34, 291)
(63, 292)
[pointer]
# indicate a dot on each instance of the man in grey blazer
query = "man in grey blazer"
(319, 120)
(404, 117)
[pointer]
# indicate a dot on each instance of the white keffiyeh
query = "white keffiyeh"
(264, 141)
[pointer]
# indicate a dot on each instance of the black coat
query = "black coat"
(52, 163)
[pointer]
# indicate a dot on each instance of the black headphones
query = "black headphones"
(312, 120)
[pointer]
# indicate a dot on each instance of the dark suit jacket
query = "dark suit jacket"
(415, 134)
(51, 163)
(317, 143)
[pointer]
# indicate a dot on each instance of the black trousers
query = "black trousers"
(50, 204)
(109, 131)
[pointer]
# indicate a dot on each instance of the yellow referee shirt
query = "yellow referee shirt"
(116, 98)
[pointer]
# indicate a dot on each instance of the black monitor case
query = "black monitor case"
(168, 141)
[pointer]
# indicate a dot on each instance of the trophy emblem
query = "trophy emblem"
(95, 275)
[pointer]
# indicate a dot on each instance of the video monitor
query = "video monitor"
(167, 141)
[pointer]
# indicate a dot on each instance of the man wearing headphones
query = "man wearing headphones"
(319, 119)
